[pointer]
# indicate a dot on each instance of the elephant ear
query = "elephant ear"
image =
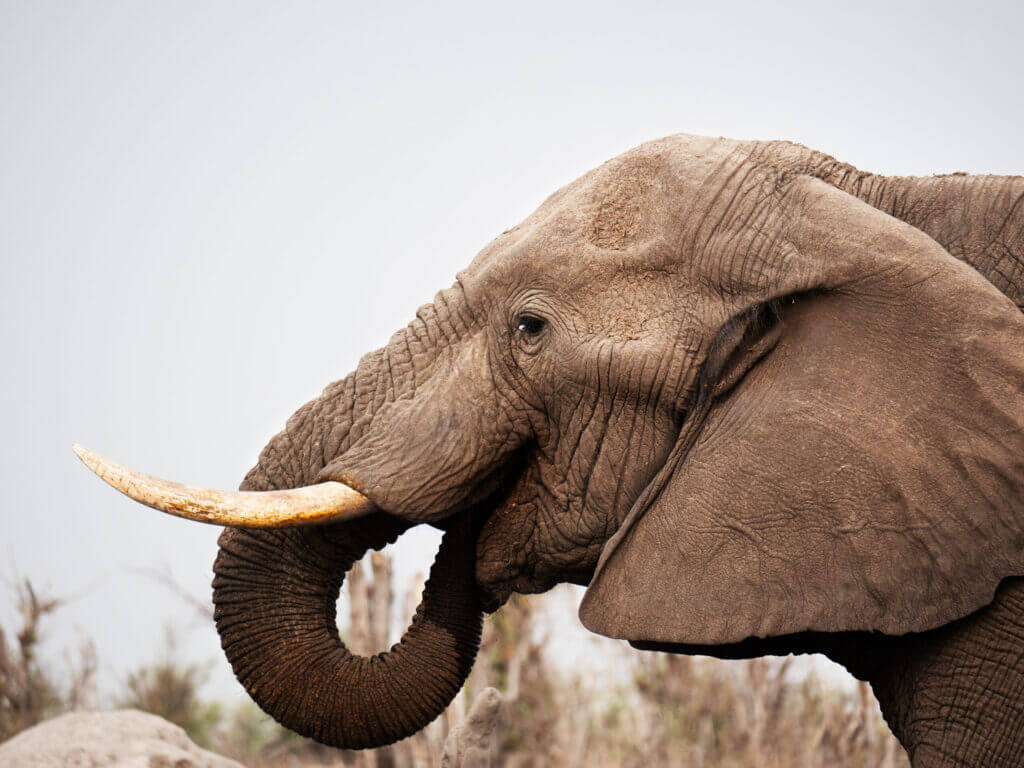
(866, 474)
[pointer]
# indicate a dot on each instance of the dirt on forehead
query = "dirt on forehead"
(622, 197)
(618, 200)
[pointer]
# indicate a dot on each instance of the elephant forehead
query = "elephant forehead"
(626, 206)
(639, 195)
(573, 266)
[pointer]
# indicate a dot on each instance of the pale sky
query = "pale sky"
(210, 210)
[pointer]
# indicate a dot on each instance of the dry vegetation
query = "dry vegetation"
(663, 710)
(32, 690)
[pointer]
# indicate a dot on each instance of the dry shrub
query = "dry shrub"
(33, 688)
(672, 710)
(686, 711)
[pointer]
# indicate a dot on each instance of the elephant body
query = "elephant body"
(756, 400)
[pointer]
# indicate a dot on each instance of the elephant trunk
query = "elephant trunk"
(277, 580)
(275, 589)
(275, 594)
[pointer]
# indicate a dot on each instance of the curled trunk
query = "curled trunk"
(275, 594)
(275, 590)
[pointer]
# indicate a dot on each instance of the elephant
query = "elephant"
(755, 400)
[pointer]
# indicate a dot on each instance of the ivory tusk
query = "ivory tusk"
(311, 504)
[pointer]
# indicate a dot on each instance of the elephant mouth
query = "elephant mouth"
(506, 562)
(505, 566)
(495, 592)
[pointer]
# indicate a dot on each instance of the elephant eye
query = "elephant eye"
(530, 325)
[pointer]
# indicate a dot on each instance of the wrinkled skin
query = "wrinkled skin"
(732, 387)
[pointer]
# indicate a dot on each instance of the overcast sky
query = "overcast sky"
(210, 210)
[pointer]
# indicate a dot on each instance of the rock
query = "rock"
(469, 744)
(123, 739)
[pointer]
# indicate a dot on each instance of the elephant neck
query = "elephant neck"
(978, 219)
(954, 696)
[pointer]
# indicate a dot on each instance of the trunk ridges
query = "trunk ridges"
(275, 594)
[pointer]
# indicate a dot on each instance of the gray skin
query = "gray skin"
(758, 401)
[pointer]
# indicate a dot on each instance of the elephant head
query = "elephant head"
(725, 384)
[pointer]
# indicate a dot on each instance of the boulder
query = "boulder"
(469, 744)
(123, 739)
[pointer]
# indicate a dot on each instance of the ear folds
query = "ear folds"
(866, 474)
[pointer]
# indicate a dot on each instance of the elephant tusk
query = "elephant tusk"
(311, 504)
